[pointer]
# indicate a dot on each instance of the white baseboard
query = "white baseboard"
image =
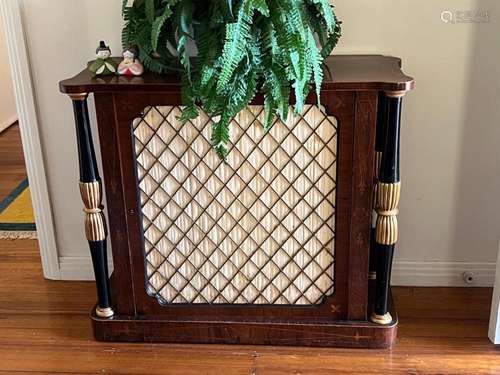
(442, 274)
(75, 268)
(78, 268)
(404, 273)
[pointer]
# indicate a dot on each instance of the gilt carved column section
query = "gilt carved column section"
(91, 193)
(388, 195)
(379, 149)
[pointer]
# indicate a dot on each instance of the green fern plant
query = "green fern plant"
(242, 47)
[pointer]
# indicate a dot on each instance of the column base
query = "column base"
(106, 312)
(381, 319)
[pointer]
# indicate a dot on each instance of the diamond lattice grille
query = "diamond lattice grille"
(259, 229)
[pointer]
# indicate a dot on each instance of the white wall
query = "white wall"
(62, 36)
(450, 207)
(450, 212)
(7, 104)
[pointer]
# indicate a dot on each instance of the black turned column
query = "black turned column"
(379, 148)
(91, 193)
(388, 195)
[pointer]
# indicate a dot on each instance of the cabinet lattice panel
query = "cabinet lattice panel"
(258, 229)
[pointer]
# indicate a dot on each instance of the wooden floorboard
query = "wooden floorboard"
(45, 329)
(12, 168)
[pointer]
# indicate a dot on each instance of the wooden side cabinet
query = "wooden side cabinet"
(289, 242)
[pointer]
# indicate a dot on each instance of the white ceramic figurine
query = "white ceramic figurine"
(130, 66)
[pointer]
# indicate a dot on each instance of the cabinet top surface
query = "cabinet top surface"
(342, 72)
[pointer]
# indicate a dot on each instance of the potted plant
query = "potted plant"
(274, 47)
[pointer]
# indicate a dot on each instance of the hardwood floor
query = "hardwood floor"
(12, 168)
(44, 327)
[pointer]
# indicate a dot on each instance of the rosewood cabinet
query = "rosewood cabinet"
(289, 242)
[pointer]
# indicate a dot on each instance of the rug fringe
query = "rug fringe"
(17, 235)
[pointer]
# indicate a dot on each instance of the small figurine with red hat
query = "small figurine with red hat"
(130, 66)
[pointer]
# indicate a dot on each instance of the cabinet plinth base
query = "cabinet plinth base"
(351, 334)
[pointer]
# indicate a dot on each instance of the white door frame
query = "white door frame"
(494, 331)
(11, 12)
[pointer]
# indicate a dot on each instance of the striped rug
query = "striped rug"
(17, 220)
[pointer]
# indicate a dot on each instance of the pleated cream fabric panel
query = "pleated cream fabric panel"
(259, 229)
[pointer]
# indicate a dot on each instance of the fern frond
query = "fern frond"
(237, 35)
(269, 111)
(185, 17)
(332, 40)
(220, 135)
(150, 10)
(326, 11)
(156, 29)
(316, 61)
(243, 47)
(190, 111)
(261, 7)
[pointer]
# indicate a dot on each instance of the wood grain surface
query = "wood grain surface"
(12, 169)
(44, 327)
(342, 72)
